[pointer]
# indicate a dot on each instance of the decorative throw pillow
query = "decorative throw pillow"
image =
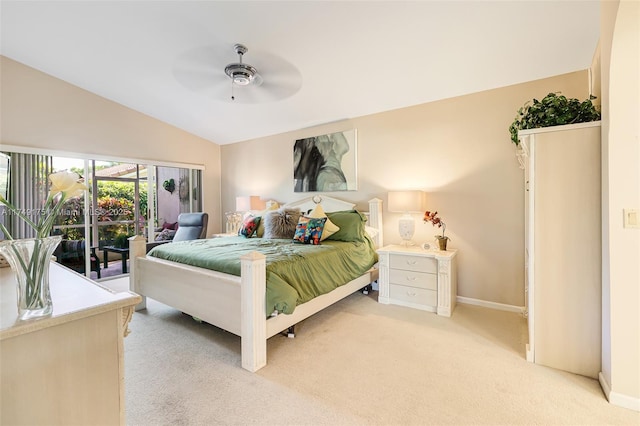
(166, 235)
(273, 206)
(351, 224)
(281, 223)
(330, 228)
(249, 226)
(173, 226)
(309, 230)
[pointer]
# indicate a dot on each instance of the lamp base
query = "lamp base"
(406, 229)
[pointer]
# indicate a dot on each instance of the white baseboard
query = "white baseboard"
(616, 398)
(491, 305)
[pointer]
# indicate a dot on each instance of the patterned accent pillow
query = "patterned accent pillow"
(249, 226)
(166, 235)
(309, 230)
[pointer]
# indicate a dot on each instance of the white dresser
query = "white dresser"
(418, 278)
(67, 368)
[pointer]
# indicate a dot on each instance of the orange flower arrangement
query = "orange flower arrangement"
(436, 221)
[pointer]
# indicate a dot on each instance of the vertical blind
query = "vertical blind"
(28, 189)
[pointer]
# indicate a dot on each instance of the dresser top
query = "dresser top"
(74, 296)
(418, 251)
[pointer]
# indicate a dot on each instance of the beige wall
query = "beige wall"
(620, 44)
(42, 112)
(458, 150)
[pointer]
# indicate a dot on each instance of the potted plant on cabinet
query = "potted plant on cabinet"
(553, 110)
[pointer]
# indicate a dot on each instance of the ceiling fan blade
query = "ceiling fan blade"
(257, 81)
(198, 68)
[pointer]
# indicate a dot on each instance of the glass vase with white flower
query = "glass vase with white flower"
(30, 258)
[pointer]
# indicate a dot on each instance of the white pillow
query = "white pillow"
(329, 227)
(373, 232)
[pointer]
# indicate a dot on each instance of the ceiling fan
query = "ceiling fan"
(202, 70)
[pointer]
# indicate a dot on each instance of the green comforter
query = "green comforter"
(296, 273)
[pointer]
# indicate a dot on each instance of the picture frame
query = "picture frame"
(326, 163)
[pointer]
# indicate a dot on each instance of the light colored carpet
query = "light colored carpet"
(357, 362)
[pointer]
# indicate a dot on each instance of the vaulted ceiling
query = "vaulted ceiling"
(319, 61)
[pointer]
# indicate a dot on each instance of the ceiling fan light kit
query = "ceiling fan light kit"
(240, 74)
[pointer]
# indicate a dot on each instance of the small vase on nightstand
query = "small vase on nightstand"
(442, 242)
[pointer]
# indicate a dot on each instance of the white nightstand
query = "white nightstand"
(418, 278)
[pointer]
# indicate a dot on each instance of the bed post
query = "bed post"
(253, 321)
(375, 219)
(137, 248)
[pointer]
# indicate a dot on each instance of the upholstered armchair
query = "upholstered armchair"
(190, 226)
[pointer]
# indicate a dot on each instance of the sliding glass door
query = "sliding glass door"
(124, 199)
(120, 207)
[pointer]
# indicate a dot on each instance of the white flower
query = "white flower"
(64, 185)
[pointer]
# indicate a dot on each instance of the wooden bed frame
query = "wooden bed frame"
(237, 304)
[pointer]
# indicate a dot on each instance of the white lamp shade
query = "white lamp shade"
(253, 202)
(406, 201)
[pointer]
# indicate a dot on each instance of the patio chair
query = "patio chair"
(70, 253)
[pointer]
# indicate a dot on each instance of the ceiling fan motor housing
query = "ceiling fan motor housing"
(241, 74)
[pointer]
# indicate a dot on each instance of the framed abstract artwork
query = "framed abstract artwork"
(325, 163)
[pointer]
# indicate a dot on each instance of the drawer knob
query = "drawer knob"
(410, 293)
(411, 278)
(411, 262)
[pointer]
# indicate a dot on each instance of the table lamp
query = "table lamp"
(252, 202)
(406, 202)
(244, 205)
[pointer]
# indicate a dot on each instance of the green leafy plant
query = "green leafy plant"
(122, 240)
(114, 210)
(123, 190)
(553, 110)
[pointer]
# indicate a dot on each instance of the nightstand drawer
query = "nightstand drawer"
(414, 295)
(413, 263)
(413, 279)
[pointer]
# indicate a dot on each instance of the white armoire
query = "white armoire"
(563, 253)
